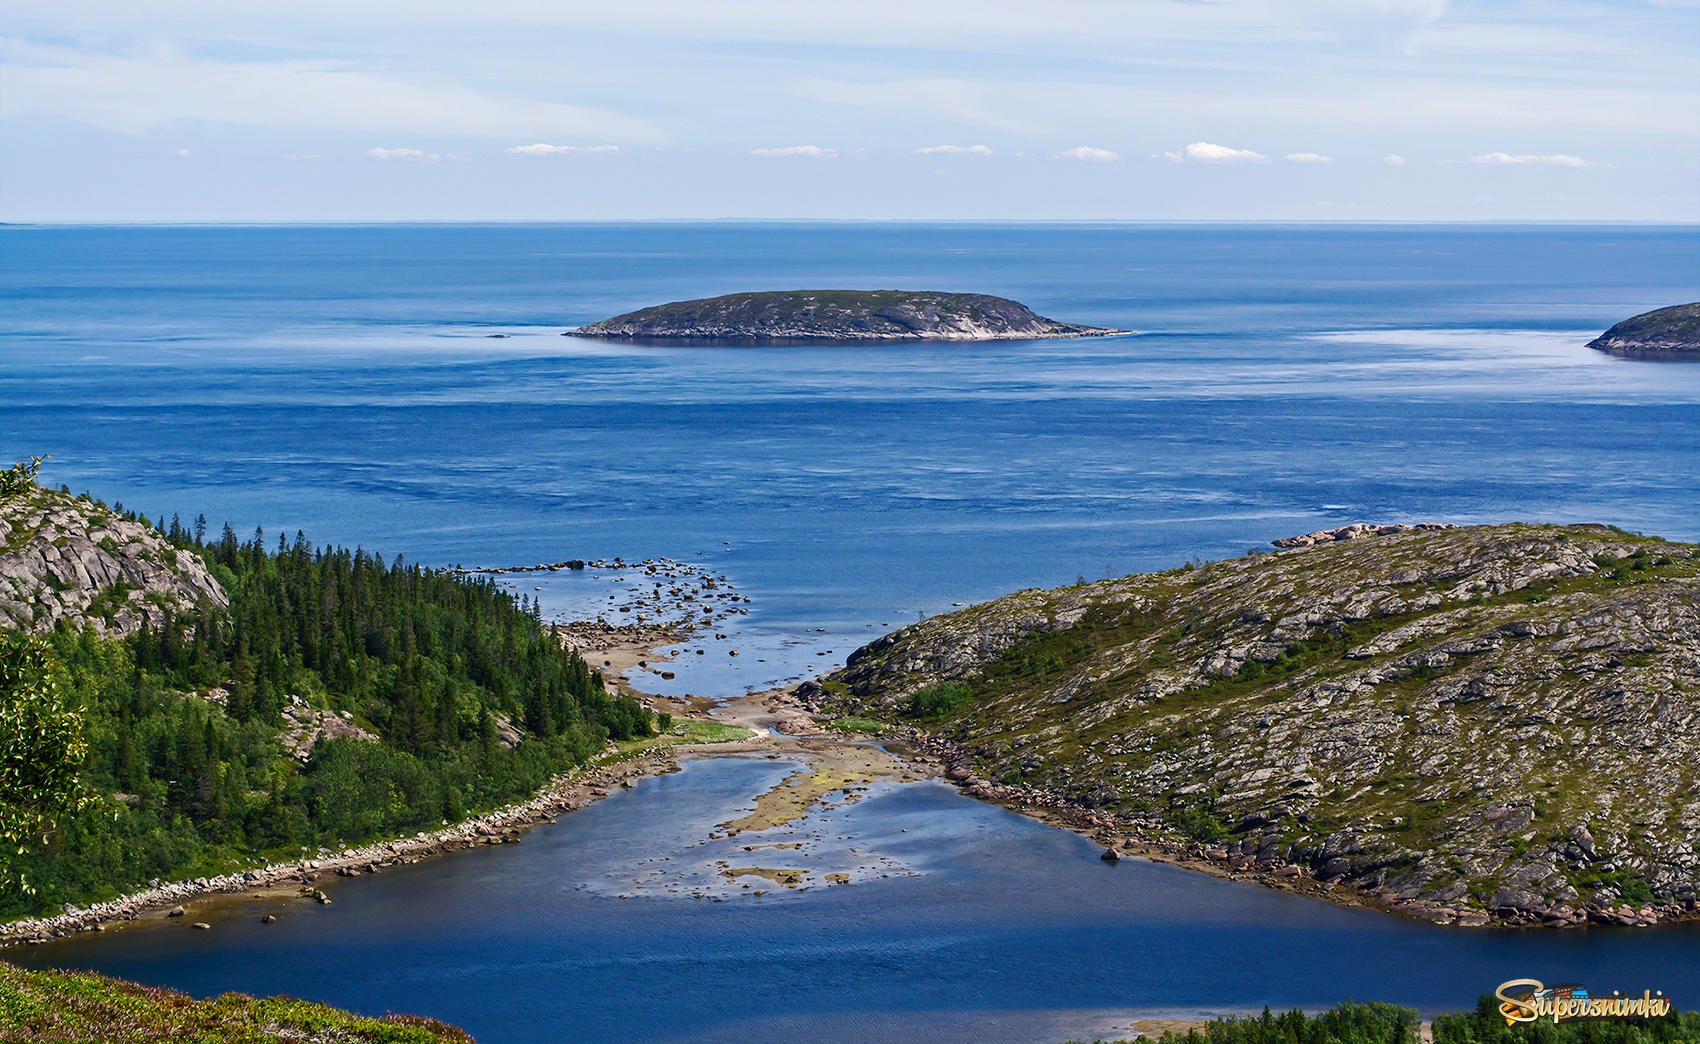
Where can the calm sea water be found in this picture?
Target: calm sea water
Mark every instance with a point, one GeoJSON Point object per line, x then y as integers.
{"type": "Point", "coordinates": [999, 929]}
{"type": "Point", "coordinates": [343, 380]}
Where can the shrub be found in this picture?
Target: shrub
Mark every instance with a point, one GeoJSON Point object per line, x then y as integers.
{"type": "Point", "coordinates": [936, 701]}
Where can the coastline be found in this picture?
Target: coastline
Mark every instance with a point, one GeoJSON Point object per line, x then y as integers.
{"type": "Point", "coordinates": [1647, 353]}
{"type": "Point", "coordinates": [782, 720]}
{"type": "Point", "coordinates": [1126, 836]}
{"type": "Point", "coordinates": [563, 794]}
{"type": "Point", "coordinates": [615, 646]}
{"type": "Point", "coordinates": [722, 339]}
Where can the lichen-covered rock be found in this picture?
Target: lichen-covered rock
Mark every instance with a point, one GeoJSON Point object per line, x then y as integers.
{"type": "Point", "coordinates": [65, 557]}
{"type": "Point", "coordinates": [1502, 718]}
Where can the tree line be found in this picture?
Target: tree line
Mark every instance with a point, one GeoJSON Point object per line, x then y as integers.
{"type": "Point", "coordinates": [184, 722]}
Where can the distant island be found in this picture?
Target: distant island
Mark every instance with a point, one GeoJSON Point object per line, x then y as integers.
{"type": "Point", "coordinates": [819, 316]}
{"type": "Point", "coordinates": [1664, 333]}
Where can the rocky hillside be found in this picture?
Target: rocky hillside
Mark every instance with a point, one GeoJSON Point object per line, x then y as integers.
{"type": "Point", "coordinates": [1480, 722]}
{"type": "Point", "coordinates": [837, 315]}
{"type": "Point", "coordinates": [68, 557]}
{"type": "Point", "coordinates": [1664, 333]}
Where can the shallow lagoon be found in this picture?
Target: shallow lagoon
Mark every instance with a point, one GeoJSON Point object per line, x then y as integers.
{"type": "Point", "coordinates": [990, 927]}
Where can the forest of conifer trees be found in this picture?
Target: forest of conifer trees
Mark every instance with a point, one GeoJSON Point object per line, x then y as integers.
{"type": "Point", "coordinates": [186, 722]}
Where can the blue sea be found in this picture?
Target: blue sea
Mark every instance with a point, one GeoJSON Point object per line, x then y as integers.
{"type": "Point", "coordinates": [348, 381]}
{"type": "Point", "coordinates": [345, 381]}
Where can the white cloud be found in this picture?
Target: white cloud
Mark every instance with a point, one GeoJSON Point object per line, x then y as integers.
{"type": "Point", "coordinates": [1307, 157]}
{"type": "Point", "coordinates": [541, 149]}
{"type": "Point", "coordinates": [183, 152]}
{"type": "Point", "coordinates": [954, 150]}
{"type": "Point", "coordinates": [1526, 159]}
{"type": "Point", "coordinates": [1090, 154]}
{"type": "Point", "coordinates": [814, 151]}
{"type": "Point", "coordinates": [147, 87]}
{"type": "Point", "coordinates": [400, 154]}
{"type": "Point", "coordinates": [952, 102]}
{"type": "Point", "coordinates": [1205, 152]}
{"type": "Point", "coordinates": [1394, 160]}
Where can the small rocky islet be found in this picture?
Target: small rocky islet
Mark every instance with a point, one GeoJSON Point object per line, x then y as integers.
{"type": "Point", "coordinates": [1664, 333]}
{"type": "Point", "coordinates": [836, 316]}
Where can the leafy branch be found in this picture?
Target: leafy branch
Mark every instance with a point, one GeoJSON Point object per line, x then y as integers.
{"type": "Point", "coordinates": [42, 750]}
{"type": "Point", "coordinates": [20, 476]}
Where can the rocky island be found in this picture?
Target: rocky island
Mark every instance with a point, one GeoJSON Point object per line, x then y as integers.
{"type": "Point", "coordinates": [1493, 723]}
{"type": "Point", "coordinates": [822, 316]}
{"type": "Point", "coordinates": [1664, 333]}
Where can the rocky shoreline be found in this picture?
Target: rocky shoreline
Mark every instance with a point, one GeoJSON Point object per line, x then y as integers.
{"type": "Point", "coordinates": [924, 751]}
{"type": "Point", "coordinates": [1665, 333]}
{"type": "Point", "coordinates": [566, 793]}
{"type": "Point", "coordinates": [1244, 861]}
{"type": "Point", "coordinates": [1487, 724]}
{"type": "Point", "coordinates": [666, 592]}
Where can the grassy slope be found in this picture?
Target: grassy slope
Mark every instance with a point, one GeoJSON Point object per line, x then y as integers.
{"type": "Point", "coordinates": [62, 1006]}
{"type": "Point", "coordinates": [1353, 721]}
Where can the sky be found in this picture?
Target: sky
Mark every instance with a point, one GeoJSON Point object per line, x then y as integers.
{"type": "Point", "coordinates": [440, 110]}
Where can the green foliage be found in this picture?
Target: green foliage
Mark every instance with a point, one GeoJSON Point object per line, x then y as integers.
{"type": "Point", "coordinates": [1349, 1023]}
{"type": "Point", "coordinates": [1631, 888]}
{"type": "Point", "coordinates": [936, 701]}
{"type": "Point", "coordinates": [697, 730]}
{"type": "Point", "coordinates": [42, 750]}
{"type": "Point", "coordinates": [1632, 568]}
{"type": "Point", "coordinates": [62, 1006]}
{"type": "Point", "coordinates": [1485, 1025]}
{"type": "Point", "coordinates": [1198, 820]}
{"type": "Point", "coordinates": [185, 722]}
{"type": "Point", "coordinates": [20, 476]}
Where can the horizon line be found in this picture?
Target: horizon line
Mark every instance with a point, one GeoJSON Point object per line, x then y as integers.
{"type": "Point", "coordinates": [366, 222]}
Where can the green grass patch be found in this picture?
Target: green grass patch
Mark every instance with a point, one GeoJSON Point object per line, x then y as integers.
{"type": "Point", "coordinates": [698, 730]}
{"type": "Point", "coordinates": [852, 723]}
{"type": "Point", "coordinates": [938, 701]}
{"type": "Point", "coordinates": [60, 1006]}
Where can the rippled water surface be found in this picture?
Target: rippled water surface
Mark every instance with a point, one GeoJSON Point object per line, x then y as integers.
{"type": "Point", "coordinates": [342, 380]}
{"type": "Point", "coordinates": [999, 929]}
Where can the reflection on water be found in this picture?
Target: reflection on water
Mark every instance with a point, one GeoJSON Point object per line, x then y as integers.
{"type": "Point", "coordinates": [1004, 930]}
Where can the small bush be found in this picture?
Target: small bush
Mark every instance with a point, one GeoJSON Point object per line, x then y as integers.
{"type": "Point", "coordinates": [20, 476]}
{"type": "Point", "coordinates": [936, 701]}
